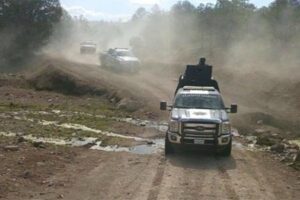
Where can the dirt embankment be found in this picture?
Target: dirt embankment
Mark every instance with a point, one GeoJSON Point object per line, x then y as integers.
{"type": "Point", "coordinates": [262, 97]}
{"type": "Point", "coordinates": [70, 78]}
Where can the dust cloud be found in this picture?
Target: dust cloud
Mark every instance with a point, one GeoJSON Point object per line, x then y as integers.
{"type": "Point", "coordinates": [255, 52]}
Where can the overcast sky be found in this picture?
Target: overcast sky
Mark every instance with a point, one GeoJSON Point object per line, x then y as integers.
{"type": "Point", "coordinates": [123, 9]}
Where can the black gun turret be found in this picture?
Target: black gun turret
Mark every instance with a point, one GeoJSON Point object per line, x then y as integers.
{"type": "Point", "coordinates": [198, 75]}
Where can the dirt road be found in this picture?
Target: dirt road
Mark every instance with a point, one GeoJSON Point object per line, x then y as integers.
{"type": "Point", "coordinates": [246, 175]}
{"type": "Point", "coordinates": [95, 175]}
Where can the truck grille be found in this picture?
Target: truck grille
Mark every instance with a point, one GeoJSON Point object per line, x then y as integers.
{"type": "Point", "coordinates": [199, 130]}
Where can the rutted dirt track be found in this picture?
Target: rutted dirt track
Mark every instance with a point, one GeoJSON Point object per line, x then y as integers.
{"type": "Point", "coordinates": [96, 175]}
{"type": "Point", "coordinates": [246, 175]}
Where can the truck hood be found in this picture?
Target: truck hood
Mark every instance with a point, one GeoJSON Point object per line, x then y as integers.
{"type": "Point", "coordinates": [199, 115]}
{"type": "Point", "coordinates": [88, 46]}
{"type": "Point", "coordinates": [128, 59]}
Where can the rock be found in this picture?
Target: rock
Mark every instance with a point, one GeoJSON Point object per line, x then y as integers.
{"type": "Point", "coordinates": [60, 196]}
{"type": "Point", "coordinates": [279, 148]}
{"type": "Point", "coordinates": [143, 124]}
{"type": "Point", "coordinates": [251, 139]}
{"type": "Point", "coordinates": [292, 151]}
{"type": "Point", "coordinates": [40, 164]}
{"type": "Point", "coordinates": [293, 146]}
{"type": "Point", "coordinates": [19, 134]}
{"type": "Point", "coordinates": [50, 184]}
{"type": "Point", "coordinates": [297, 157]}
{"type": "Point", "coordinates": [260, 122]}
{"type": "Point", "coordinates": [39, 145]}
{"type": "Point", "coordinates": [261, 131]}
{"type": "Point", "coordinates": [26, 174]}
{"type": "Point", "coordinates": [150, 142]}
{"type": "Point", "coordinates": [11, 148]}
{"type": "Point", "coordinates": [267, 140]}
{"type": "Point", "coordinates": [21, 139]}
{"type": "Point", "coordinates": [264, 140]}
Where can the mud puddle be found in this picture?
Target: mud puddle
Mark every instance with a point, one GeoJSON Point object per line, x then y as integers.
{"type": "Point", "coordinates": [151, 147]}
{"type": "Point", "coordinates": [155, 147]}
{"type": "Point", "coordinates": [75, 142]}
{"type": "Point", "coordinates": [160, 126]}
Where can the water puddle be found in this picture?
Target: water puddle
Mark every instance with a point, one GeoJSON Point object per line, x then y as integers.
{"type": "Point", "coordinates": [160, 126]}
{"type": "Point", "coordinates": [153, 146]}
{"type": "Point", "coordinates": [79, 127]}
{"type": "Point", "coordinates": [75, 142]}
{"type": "Point", "coordinates": [238, 145]}
{"type": "Point", "coordinates": [157, 146]}
{"type": "Point", "coordinates": [85, 128]}
{"type": "Point", "coordinates": [235, 132]}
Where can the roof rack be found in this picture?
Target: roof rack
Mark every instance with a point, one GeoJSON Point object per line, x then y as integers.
{"type": "Point", "coordinates": [199, 88]}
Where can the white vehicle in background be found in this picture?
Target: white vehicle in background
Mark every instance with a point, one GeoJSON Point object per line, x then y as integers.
{"type": "Point", "coordinates": [88, 47]}
{"type": "Point", "coordinates": [120, 60]}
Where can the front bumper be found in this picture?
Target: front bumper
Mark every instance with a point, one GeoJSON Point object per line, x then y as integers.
{"type": "Point", "coordinates": [222, 140]}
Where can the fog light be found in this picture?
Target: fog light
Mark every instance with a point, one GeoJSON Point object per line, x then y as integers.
{"type": "Point", "coordinates": [173, 137]}
{"type": "Point", "coordinates": [225, 140]}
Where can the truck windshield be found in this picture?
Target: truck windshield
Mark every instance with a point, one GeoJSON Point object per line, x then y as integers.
{"type": "Point", "coordinates": [124, 54]}
{"type": "Point", "coordinates": [199, 101]}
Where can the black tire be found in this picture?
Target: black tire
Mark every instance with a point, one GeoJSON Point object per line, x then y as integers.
{"type": "Point", "coordinates": [227, 151]}
{"type": "Point", "coordinates": [168, 146]}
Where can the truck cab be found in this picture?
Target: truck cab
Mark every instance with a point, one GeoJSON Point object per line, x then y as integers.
{"type": "Point", "coordinates": [199, 118]}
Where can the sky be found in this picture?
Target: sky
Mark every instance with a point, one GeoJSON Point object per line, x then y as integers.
{"type": "Point", "coordinates": [113, 10]}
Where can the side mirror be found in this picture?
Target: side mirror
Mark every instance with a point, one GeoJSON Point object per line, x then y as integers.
{"type": "Point", "coordinates": [163, 105]}
{"type": "Point", "coordinates": [234, 108]}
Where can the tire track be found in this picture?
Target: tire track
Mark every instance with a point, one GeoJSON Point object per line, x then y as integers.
{"type": "Point", "coordinates": [231, 193]}
{"type": "Point", "coordinates": [154, 191]}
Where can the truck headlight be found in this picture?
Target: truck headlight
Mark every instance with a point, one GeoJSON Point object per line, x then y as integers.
{"type": "Point", "coordinates": [225, 128]}
{"type": "Point", "coordinates": [174, 126]}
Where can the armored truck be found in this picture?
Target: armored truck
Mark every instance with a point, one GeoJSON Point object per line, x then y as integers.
{"type": "Point", "coordinates": [198, 117]}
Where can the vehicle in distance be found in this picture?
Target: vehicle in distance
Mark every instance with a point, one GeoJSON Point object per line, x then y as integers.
{"type": "Point", "coordinates": [120, 60]}
{"type": "Point", "coordinates": [88, 47]}
{"type": "Point", "coordinates": [198, 118]}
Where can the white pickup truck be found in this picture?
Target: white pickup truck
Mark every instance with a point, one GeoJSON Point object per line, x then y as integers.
{"type": "Point", "coordinates": [199, 118]}
{"type": "Point", "coordinates": [120, 60]}
{"type": "Point", "coordinates": [88, 47]}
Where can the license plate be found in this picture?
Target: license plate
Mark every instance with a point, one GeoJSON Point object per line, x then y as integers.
{"type": "Point", "coordinates": [197, 141]}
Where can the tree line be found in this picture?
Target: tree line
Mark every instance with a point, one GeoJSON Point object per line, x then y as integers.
{"type": "Point", "coordinates": [228, 29]}
{"type": "Point", "coordinates": [234, 29]}
{"type": "Point", "coordinates": [25, 26]}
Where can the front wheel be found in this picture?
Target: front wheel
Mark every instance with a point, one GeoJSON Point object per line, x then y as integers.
{"type": "Point", "coordinates": [226, 152]}
{"type": "Point", "coordinates": [168, 146]}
